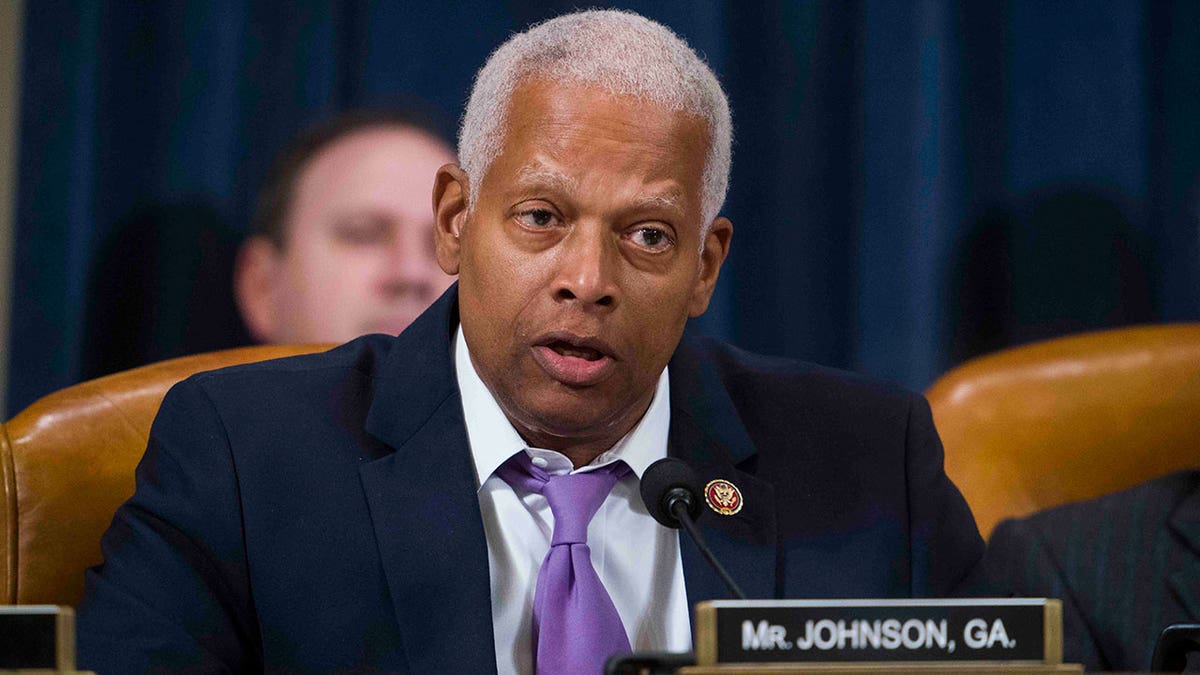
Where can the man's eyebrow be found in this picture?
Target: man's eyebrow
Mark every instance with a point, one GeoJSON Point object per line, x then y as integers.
{"type": "Point", "coordinates": [670, 200]}
{"type": "Point", "coordinates": [542, 175]}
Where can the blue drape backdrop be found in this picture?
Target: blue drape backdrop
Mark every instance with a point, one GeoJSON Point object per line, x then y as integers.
{"type": "Point", "coordinates": [914, 182]}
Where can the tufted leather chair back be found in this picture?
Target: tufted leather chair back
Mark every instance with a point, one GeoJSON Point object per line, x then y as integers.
{"type": "Point", "coordinates": [67, 462]}
{"type": "Point", "coordinates": [1071, 418]}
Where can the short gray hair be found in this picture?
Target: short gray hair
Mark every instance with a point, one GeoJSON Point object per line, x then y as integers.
{"type": "Point", "coordinates": [622, 52]}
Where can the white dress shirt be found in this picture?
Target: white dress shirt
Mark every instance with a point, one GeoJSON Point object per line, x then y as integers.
{"type": "Point", "coordinates": [636, 558]}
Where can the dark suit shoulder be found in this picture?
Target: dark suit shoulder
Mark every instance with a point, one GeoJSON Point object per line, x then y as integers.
{"type": "Point", "coordinates": [790, 406]}
{"type": "Point", "coordinates": [298, 403]}
{"type": "Point", "coordinates": [853, 461]}
{"type": "Point", "coordinates": [749, 376]}
{"type": "Point", "coordinates": [1062, 542]}
{"type": "Point", "coordinates": [1148, 504]}
{"type": "Point", "coordinates": [797, 412]}
{"type": "Point", "coordinates": [361, 355]}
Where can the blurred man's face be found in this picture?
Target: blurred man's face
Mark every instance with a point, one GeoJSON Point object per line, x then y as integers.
{"type": "Point", "coordinates": [358, 255]}
{"type": "Point", "coordinates": [582, 259]}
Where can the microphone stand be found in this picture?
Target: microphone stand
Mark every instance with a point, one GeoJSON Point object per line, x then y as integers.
{"type": "Point", "coordinates": [679, 510]}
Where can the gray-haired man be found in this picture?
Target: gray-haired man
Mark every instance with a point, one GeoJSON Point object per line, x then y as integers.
{"type": "Point", "coordinates": [464, 498]}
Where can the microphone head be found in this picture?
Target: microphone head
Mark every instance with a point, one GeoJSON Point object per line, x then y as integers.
{"type": "Point", "coordinates": [665, 482]}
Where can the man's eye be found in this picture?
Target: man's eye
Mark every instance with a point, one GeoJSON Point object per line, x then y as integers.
{"type": "Point", "coordinates": [651, 238]}
{"type": "Point", "coordinates": [359, 233]}
{"type": "Point", "coordinates": [537, 218]}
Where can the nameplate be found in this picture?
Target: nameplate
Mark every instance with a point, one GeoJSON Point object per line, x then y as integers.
{"type": "Point", "coordinates": [1021, 630]}
{"type": "Point", "coordinates": [37, 637]}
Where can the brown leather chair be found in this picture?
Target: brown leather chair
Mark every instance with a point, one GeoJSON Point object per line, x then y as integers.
{"type": "Point", "coordinates": [1071, 418]}
{"type": "Point", "coordinates": [67, 463]}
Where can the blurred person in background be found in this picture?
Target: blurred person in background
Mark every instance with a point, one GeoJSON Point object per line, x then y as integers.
{"type": "Point", "coordinates": [341, 243]}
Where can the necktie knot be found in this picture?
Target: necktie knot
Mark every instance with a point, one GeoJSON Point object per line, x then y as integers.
{"type": "Point", "coordinates": [573, 498]}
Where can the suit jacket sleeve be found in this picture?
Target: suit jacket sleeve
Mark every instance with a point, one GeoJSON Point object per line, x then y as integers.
{"type": "Point", "coordinates": [173, 593]}
{"type": "Point", "coordinates": [944, 540]}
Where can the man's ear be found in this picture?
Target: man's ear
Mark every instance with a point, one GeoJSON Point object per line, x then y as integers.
{"type": "Point", "coordinates": [712, 256]}
{"type": "Point", "coordinates": [254, 279]}
{"type": "Point", "coordinates": [451, 190]}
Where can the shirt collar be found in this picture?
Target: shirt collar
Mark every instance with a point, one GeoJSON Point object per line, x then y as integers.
{"type": "Point", "coordinates": [493, 439]}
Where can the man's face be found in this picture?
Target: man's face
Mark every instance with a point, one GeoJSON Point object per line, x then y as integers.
{"type": "Point", "coordinates": [358, 255]}
{"type": "Point", "coordinates": [582, 259]}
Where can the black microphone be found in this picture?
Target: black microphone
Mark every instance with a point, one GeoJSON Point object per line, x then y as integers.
{"type": "Point", "coordinates": [671, 493]}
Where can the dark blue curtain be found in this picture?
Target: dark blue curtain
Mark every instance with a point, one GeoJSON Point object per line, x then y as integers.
{"type": "Point", "coordinates": [914, 183]}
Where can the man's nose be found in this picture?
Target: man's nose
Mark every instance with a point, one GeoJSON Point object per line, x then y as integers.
{"type": "Point", "coordinates": [408, 264]}
{"type": "Point", "coordinates": [587, 269]}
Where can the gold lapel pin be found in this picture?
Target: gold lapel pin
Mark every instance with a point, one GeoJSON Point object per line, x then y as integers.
{"type": "Point", "coordinates": [723, 497]}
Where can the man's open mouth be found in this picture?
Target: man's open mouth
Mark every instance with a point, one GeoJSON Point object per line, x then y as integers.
{"type": "Point", "coordinates": [580, 352]}
{"type": "Point", "coordinates": [574, 360]}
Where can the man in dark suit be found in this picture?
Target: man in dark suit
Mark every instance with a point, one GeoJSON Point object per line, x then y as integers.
{"type": "Point", "coordinates": [1125, 565]}
{"type": "Point", "coordinates": [398, 503]}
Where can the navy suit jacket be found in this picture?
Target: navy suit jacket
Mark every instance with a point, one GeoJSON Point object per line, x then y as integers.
{"type": "Point", "coordinates": [320, 513]}
{"type": "Point", "coordinates": [1126, 566]}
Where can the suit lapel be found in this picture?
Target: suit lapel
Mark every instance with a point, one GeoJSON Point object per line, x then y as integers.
{"type": "Point", "coordinates": [1185, 523]}
{"type": "Point", "coordinates": [707, 433]}
{"type": "Point", "coordinates": [423, 503]}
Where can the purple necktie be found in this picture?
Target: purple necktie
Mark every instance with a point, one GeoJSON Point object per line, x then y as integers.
{"type": "Point", "coordinates": [575, 624]}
